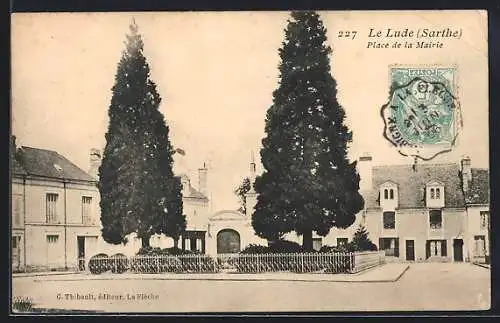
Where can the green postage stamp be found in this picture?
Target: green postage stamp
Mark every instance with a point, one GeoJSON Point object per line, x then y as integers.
{"type": "Point", "coordinates": [422, 118]}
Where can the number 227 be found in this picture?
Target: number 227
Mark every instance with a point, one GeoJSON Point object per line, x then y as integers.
{"type": "Point", "coordinates": [347, 34]}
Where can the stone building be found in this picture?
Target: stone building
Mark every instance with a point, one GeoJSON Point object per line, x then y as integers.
{"type": "Point", "coordinates": [55, 211]}
{"type": "Point", "coordinates": [423, 212]}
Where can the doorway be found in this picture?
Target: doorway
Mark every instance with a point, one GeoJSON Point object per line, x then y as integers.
{"type": "Point", "coordinates": [53, 251]}
{"type": "Point", "coordinates": [410, 250]}
{"type": "Point", "coordinates": [458, 253]}
{"type": "Point", "coordinates": [228, 241]}
{"type": "Point", "coordinates": [80, 241]}
{"type": "Point", "coordinates": [16, 258]}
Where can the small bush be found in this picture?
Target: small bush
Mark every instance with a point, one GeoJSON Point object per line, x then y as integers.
{"type": "Point", "coordinates": [285, 246]}
{"type": "Point", "coordinates": [330, 249]}
{"type": "Point", "coordinates": [99, 264]}
{"type": "Point", "coordinates": [173, 251]}
{"type": "Point", "coordinates": [119, 263]}
{"type": "Point", "coordinates": [279, 246]}
{"type": "Point", "coordinates": [148, 251]}
{"type": "Point", "coordinates": [255, 249]}
{"type": "Point", "coordinates": [22, 304]}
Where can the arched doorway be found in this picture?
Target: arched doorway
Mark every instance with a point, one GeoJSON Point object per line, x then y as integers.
{"type": "Point", "coordinates": [228, 241]}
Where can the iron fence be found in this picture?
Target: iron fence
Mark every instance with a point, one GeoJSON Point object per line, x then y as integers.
{"type": "Point", "coordinates": [334, 262]}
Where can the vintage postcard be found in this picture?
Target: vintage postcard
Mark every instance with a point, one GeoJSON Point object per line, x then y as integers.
{"type": "Point", "coordinates": [201, 162]}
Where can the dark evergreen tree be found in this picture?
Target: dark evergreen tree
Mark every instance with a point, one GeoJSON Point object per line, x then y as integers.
{"type": "Point", "coordinates": [308, 183]}
{"type": "Point", "coordinates": [361, 241]}
{"type": "Point", "coordinates": [175, 221]}
{"type": "Point", "coordinates": [241, 192]}
{"type": "Point", "coordinates": [138, 190]}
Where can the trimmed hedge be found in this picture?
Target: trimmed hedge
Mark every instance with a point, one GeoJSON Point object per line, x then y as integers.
{"type": "Point", "coordinates": [285, 246]}
{"type": "Point", "coordinates": [99, 264]}
{"type": "Point", "coordinates": [173, 251]}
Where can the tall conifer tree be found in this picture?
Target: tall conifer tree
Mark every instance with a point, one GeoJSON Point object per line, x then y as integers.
{"type": "Point", "coordinates": [138, 190]}
{"type": "Point", "coordinates": [308, 185]}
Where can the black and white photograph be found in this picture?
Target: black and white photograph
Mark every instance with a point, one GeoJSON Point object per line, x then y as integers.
{"type": "Point", "coordinates": [249, 161]}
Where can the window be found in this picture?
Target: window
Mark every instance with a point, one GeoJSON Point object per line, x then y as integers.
{"type": "Point", "coordinates": [15, 241]}
{"type": "Point", "coordinates": [52, 238]}
{"type": "Point", "coordinates": [389, 219]}
{"type": "Point", "coordinates": [51, 210]}
{"type": "Point", "coordinates": [483, 219]}
{"type": "Point", "coordinates": [390, 246]}
{"type": "Point", "coordinates": [386, 194]}
{"type": "Point", "coordinates": [479, 246]}
{"type": "Point", "coordinates": [436, 248]}
{"type": "Point", "coordinates": [435, 193]}
{"type": "Point", "coordinates": [86, 209]}
{"type": "Point", "coordinates": [435, 219]}
{"type": "Point", "coordinates": [16, 209]}
{"type": "Point", "coordinates": [341, 241]}
{"type": "Point", "coordinates": [391, 193]}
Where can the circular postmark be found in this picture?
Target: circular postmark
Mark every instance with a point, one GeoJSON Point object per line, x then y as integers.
{"type": "Point", "coordinates": [421, 118]}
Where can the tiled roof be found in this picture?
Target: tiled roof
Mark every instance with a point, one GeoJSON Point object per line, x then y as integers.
{"type": "Point", "coordinates": [48, 163]}
{"type": "Point", "coordinates": [479, 189]}
{"type": "Point", "coordinates": [193, 193]}
{"type": "Point", "coordinates": [16, 168]}
{"type": "Point", "coordinates": [411, 184]}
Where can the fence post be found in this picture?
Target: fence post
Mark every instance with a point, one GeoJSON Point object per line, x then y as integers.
{"type": "Point", "coordinates": [353, 262]}
{"type": "Point", "coordinates": [302, 258]}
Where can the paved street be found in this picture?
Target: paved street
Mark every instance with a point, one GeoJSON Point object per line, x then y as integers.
{"type": "Point", "coordinates": [430, 286]}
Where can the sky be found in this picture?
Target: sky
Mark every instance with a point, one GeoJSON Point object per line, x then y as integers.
{"type": "Point", "coordinates": [216, 72]}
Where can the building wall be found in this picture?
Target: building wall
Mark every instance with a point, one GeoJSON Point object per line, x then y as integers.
{"type": "Point", "coordinates": [197, 213]}
{"type": "Point", "coordinates": [63, 251]}
{"type": "Point", "coordinates": [36, 191]}
{"type": "Point", "coordinates": [474, 227]}
{"type": "Point", "coordinates": [411, 224]}
{"type": "Point", "coordinates": [17, 222]}
{"type": "Point", "coordinates": [239, 223]}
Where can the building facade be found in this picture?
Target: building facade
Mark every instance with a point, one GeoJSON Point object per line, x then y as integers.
{"type": "Point", "coordinates": [55, 211]}
{"type": "Point", "coordinates": [421, 212]}
{"type": "Point", "coordinates": [424, 212]}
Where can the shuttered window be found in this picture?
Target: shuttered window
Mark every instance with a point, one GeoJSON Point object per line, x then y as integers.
{"type": "Point", "coordinates": [389, 219]}
{"type": "Point", "coordinates": [483, 217]}
{"type": "Point", "coordinates": [17, 209]}
{"type": "Point", "coordinates": [86, 209]}
{"type": "Point", "coordinates": [436, 219]}
{"type": "Point", "coordinates": [51, 207]}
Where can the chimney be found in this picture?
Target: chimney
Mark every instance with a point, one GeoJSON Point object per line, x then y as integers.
{"type": "Point", "coordinates": [365, 172]}
{"type": "Point", "coordinates": [466, 173]}
{"type": "Point", "coordinates": [252, 172]}
{"type": "Point", "coordinates": [202, 180]}
{"type": "Point", "coordinates": [251, 196]}
{"type": "Point", "coordinates": [185, 185]}
{"type": "Point", "coordinates": [95, 163]}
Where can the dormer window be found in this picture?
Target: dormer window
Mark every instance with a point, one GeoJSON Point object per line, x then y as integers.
{"type": "Point", "coordinates": [389, 195]}
{"type": "Point", "coordinates": [435, 195]}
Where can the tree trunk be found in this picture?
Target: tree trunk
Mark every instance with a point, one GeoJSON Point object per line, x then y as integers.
{"type": "Point", "coordinates": [307, 240]}
{"type": "Point", "coordinates": [145, 241]}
